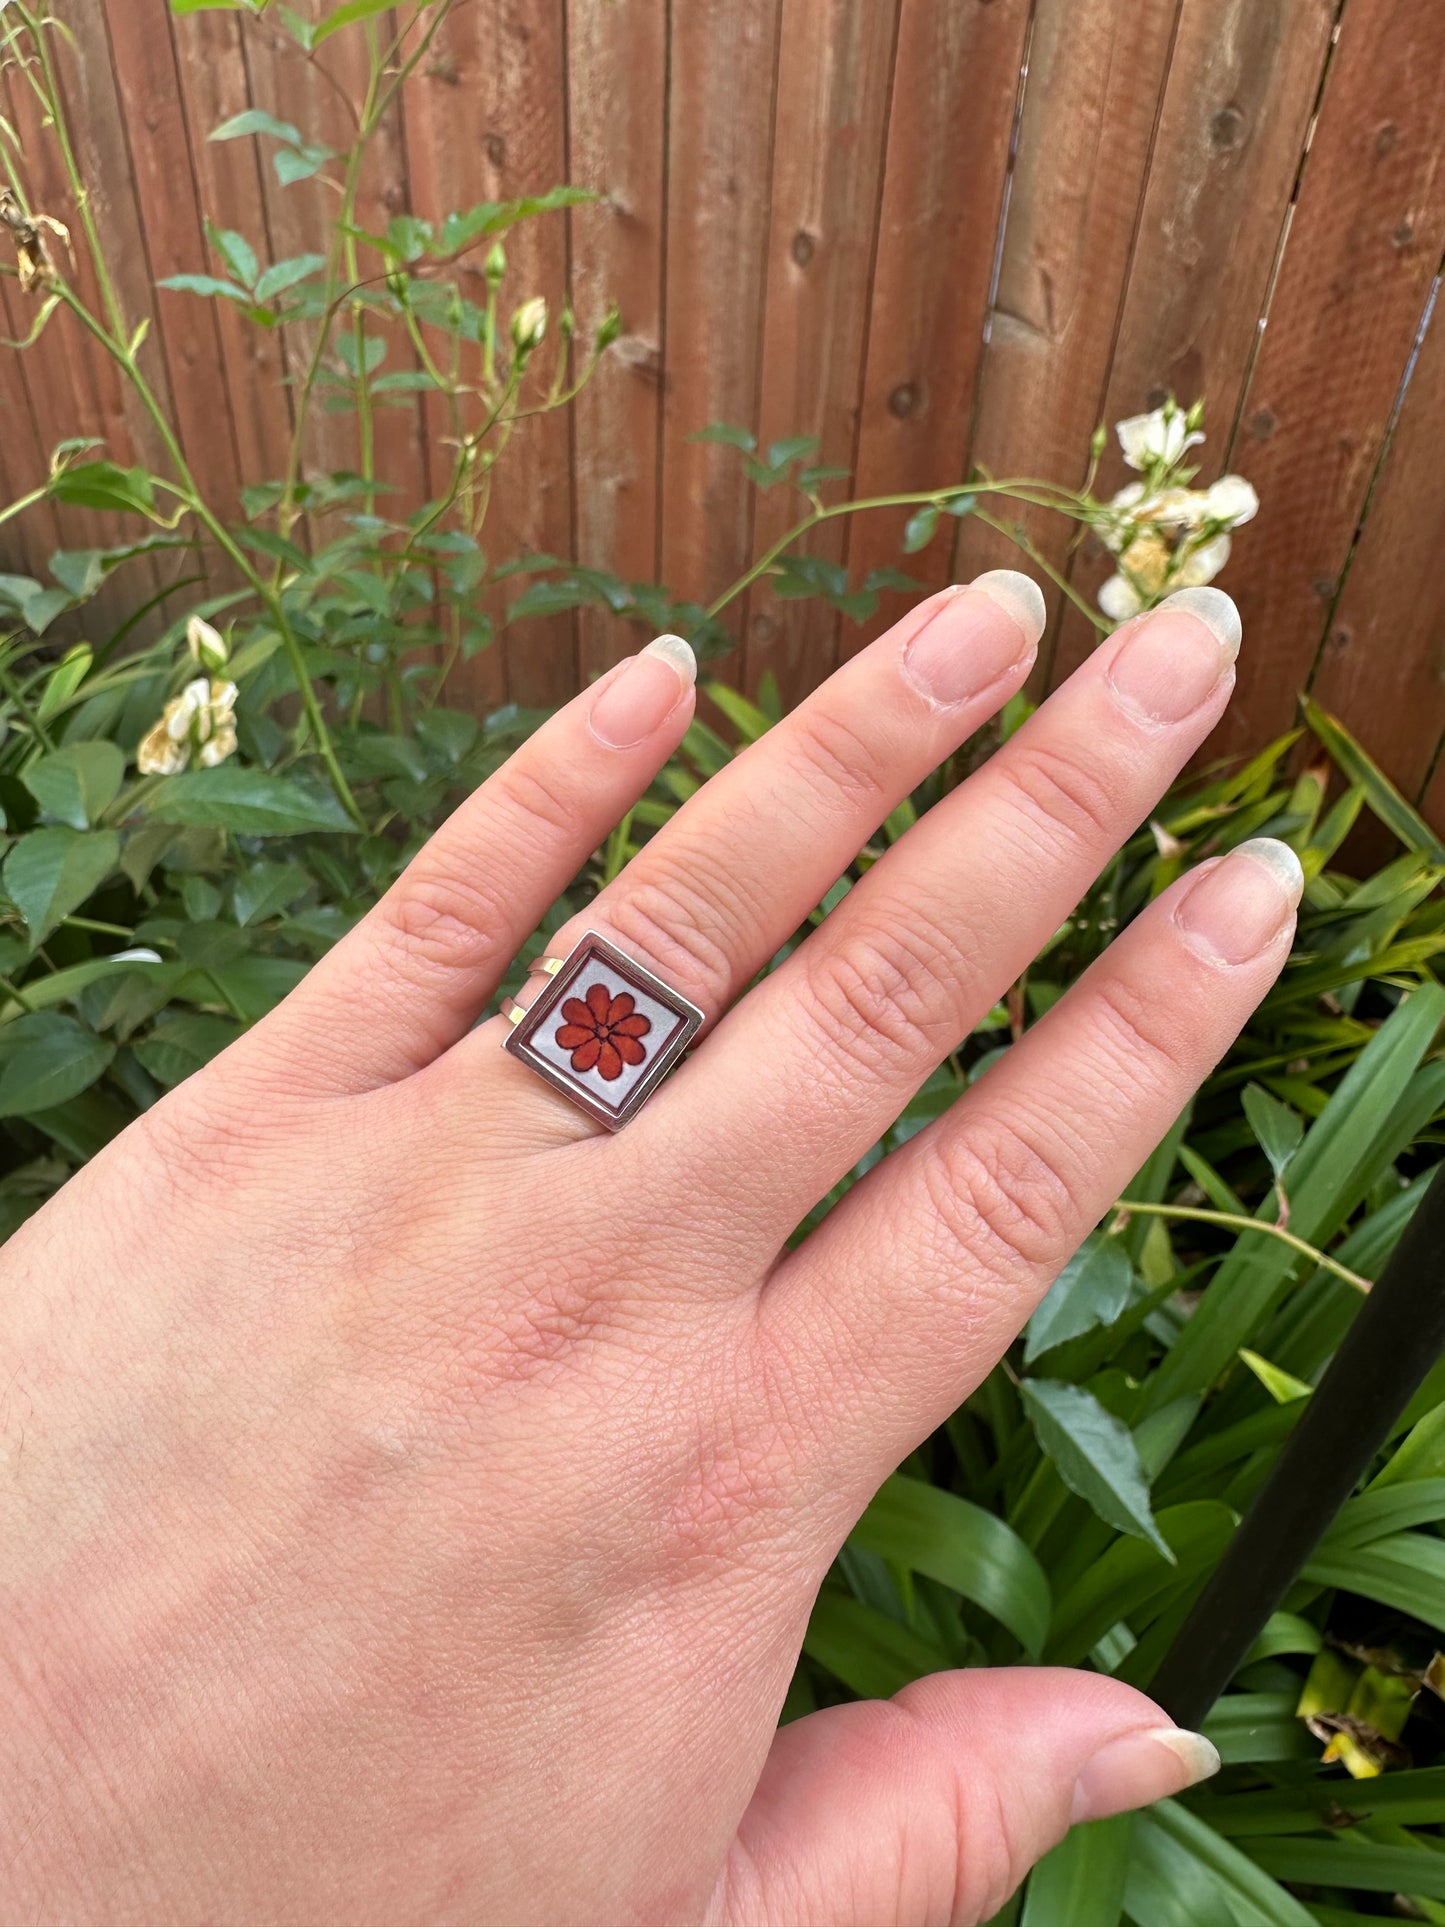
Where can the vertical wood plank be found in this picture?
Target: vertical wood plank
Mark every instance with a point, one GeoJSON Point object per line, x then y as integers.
{"type": "Point", "coordinates": [720, 126]}
{"type": "Point", "coordinates": [487, 124]}
{"type": "Point", "coordinates": [617, 119]}
{"type": "Point", "coordinates": [1383, 666]}
{"type": "Point", "coordinates": [1096, 70]}
{"type": "Point", "coordinates": [214, 87]}
{"type": "Point", "coordinates": [955, 93]}
{"type": "Point", "coordinates": [1236, 111]}
{"type": "Point", "coordinates": [28, 540]}
{"type": "Point", "coordinates": [834, 81]}
{"type": "Point", "coordinates": [72, 381]}
{"type": "Point", "coordinates": [156, 150]}
{"type": "Point", "coordinates": [1362, 252]}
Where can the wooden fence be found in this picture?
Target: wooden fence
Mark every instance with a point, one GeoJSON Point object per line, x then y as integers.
{"type": "Point", "coordinates": [931, 232]}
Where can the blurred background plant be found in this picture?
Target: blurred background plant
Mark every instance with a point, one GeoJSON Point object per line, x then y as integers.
{"type": "Point", "coordinates": [191, 819]}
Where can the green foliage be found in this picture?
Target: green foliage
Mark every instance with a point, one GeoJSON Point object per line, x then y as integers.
{"type": "Point", "coordinates": [1073, 1505]}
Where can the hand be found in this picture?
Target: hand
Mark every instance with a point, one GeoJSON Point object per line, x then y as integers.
{"type": "Point", "coordinates": [413, 1497]}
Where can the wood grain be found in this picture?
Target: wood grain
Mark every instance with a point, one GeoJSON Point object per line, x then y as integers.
{"type": "Point", "coordinates": [720, 137]}
{"type": "Point", "coordinates": [1383, 664]}
{"type": "Point", "coordinates": [834, 81]}
{"type": "Point", "coordinates": [617, 124]}
{"type": "Point", "coordinates": [1241, 89]}
{"type": "Point", "coordinates": [1362, 252]}
{"type": "Point", "coordinates": [486, 124]}
{"type": "Point", "coordinates": [955, 92]}
{"type": "Point", "coordinates": [1096, 72]}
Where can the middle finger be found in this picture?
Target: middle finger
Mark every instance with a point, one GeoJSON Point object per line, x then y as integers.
{"type": "Point", "coordinates": [817, 1062]}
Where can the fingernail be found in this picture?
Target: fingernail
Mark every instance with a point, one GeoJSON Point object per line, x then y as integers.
{"type": "Point", "coordinates": [967, 645]}
{"type": "Point", "coordinates": [1240, 906]}
{"type": "Point", "coordinates": [1174, 659]}
{"type": "Point", "coordinates": [643, 692]}
{"type": "Point", "coordinates": [1148, 1764]}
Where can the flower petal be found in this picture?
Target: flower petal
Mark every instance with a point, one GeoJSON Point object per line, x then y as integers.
{"type": "Point", "coordinates": [627, 1048]}
{"type": "Point", "coordinates": [622, 1005]}
{"type": "Point", "coordinates": [609, 1064]}
{"type": "Point", "coordinates": [576, 1012]}
{"type": "Point", "coordinates": [637, 1026]}
{"type": "Point", "coordinates": [598, 999]}
{"type": "Point", "coordinates": [1201, 565]}
{"type": "Point", "coordinates": [587, 1054]}
{"type": "Point", "coordinates": [1119, 599]}
{"type": "Point", "coordinates": [574, 1036]}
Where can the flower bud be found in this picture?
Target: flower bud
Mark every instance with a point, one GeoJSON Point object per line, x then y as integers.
{"type": "Point", "coordinates": [529, 325]}
{"type": "Point", "coordinates": [496, 266]}
{"type": "Point", "coordinates": [611, 328]}
{"type": "Point", "coordinates": [207, 645]}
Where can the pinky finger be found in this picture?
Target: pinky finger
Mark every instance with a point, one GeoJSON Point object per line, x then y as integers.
{"type": "Point", "coordinates": [908, 1293]}
{"type": "Point", "coordinates": [413, 975]}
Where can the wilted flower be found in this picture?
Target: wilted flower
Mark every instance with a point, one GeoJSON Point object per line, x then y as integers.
{"type": "Point", "coordinates": [28, 231]}
{"type": "Point", "coordinates": [201, 721]}
{"type": "Point", "coordinates": [529, 324]}
{"type": "Point", "coordinates": [1158, 439]}
{"type": "Point", "coordinates": [207, 645]}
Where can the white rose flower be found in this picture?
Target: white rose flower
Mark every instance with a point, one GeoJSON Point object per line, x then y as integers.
{"type": "Point", "coordinates": [1119, 599]}
{"type": "Point", "coordinates": [529, 324]}
{"type": "Point", "coordinates": [207, 645]}
{"type": "Point", "coordinates": [1231, 499]}
{"type": "Point", "coordinates": [202, 718]}
{"type": "Point", "coordinates": [1200, 566]}
{"type": "Point", "coordinates": [1160, 437]}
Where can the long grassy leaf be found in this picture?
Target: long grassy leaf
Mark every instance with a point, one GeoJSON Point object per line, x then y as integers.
{"type": "Point", "coordinates": [1183, 1874]}
{"type": "Point", "coordinates": [1407, 1572]}
{"type": "Point", "coordinates": [1131, 1578]}
{"type": "Point", "coordinates": [1083, 1878]}
{"type": "Point", "coordinates": [980, 1556]}
{"type": "Point", "coordinates": [1353, 1863]}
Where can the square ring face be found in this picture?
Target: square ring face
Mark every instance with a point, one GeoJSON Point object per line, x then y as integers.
{"type": "Point", "coordinates": [604, 1031]}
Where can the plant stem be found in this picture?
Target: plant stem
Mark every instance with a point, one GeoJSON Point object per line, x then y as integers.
{"type": "Point", "coordinates": [1233, 1222]}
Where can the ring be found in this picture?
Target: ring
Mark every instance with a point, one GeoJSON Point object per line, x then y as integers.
{"type": "Point", "coordinates": [604, 1031]}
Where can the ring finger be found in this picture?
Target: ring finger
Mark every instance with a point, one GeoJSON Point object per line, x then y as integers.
{"type": "Point", "coordinates": [709, 899]}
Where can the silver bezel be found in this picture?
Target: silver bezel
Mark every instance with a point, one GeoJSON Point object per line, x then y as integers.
{"type": "Point", "coordinates": [589, 946]}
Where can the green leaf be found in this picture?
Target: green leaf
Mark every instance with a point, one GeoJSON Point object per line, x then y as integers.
{"type": "Point", "coordinates": [1278, 1130]}
{"type": "Point", "coordinates": [1335, 1862]}
{"type": "Point", "coordinates": [1181, 1874]}
{"type": "Point", "coordinates": [873, 1655]}
{"type": "Point", "coordinates": [250, 802]}
{"type": "Point", "coordinates": [1407, 1572]}
{"type": "Point", "coordinates": [237, 253]}
{"type": "Point", "coordinates": [298, 164]}
{"type": "Point", "coordinates": [792, 448]}
{"type": "Point", "coordinates": [51, 872]}
{"type": "Point", "coordinates": [1380, 793]}
{"type": "Point", "coordinates": [1383, 1511]}
{"type": "Point", "coordinates": [1281, 1385]}
{"type": "Point", "coordinates": [1093, 1288]}
{"type": "Point", "coordinates": [255, 121]}
{"type": "Point", "coordinates": [65, 679]}
{"type": "Point", "coordinates": [920, 527]}
{"type": "Point", "coordinates": [344, 16]}
{"type": "Point", "coordinates": [727, 433]}
{"type": "Point", "coordinates": [263, 889]}
{"type": "Point", "coordinates": [1083, 1878]}
{"type": "Point", "coordinates": [1407, 1799]}
{"type": "Point", "coordinates": [181, 1043]}
{"type": "Point", "coordinates": [746, 718]}
{"type": "Point", "coordinates": [41, 993]}
{"type": "Point", "coordinates": [47, 1059]}
{"type": "Point", "coordinates": [285, 274]}
{"type": "Point", "coordinates": [204, 284]}
{"type": "Point", "coordinates": [104, 485]}
{"type": "Point", "coordinates": [77, 782]}
{"type": "Point", "coordinates": [1095, 1455]}
{"type": "Point", "coordinates": [1254, 1729]}
{"type": "Point", "coordinates": [1130, 1580]}
{"type": "Point", "coordinates": [962, 1546]}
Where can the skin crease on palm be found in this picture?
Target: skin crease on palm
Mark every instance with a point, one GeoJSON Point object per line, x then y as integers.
{"type": "Point", "coordinates": [413, 1497]}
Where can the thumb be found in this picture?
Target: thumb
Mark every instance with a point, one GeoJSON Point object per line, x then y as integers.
{"type": "Point", "coordinates": [932, 1806]}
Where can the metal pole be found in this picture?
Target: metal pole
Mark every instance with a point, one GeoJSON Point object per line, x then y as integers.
{"type": "Point", "coordinates": [1397, 1335]}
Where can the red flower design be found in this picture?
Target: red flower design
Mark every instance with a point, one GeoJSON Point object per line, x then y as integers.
{"type": "Point", "coordinates": [602, 1033]}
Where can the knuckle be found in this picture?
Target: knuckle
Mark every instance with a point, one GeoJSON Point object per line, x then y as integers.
{"type": "Point", "coordinates": [537, 796]}
{"type": "Point", "coordinates": [840, 762]}
{"type": "Point", "coordinates": [687, 926]}
{"type": "Point", "coordinates": [440, 922]}
{"type": "Point", "coordinates": [1063, 791]}
{"type": "Point", "coordinates": [1000, 1199]}
{"type": "Point", "coordinates": [874, 997]}
{"type": "Point", "coordinates": [1139, 1027]}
